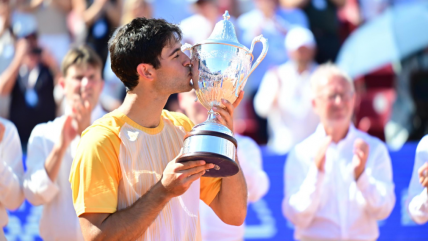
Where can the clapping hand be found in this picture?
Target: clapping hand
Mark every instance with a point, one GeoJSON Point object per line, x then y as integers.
{"type": "Point", "coordinates": [361, 153]}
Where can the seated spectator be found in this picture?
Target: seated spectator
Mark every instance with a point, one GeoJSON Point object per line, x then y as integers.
{"type": "Point", "coordinates": [52, 146]}
{"type": "Point", "coordinates": [285, 95]}
{"type": "Point", "coordinates": [250, 160]}
{"type": "Point", "coordinates": [324, 23]}
{"type": "Point", "coordinates": [11, 171]}
{"type": "Point", "coordinates": [338, 181]}
{"type": "Point", "coordinates": [29, 82]}
{"type": "Point", "coordinates": [417, 203]}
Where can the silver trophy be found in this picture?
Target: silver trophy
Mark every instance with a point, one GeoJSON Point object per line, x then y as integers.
{"type": "Point", "coordinates": [220, 69]}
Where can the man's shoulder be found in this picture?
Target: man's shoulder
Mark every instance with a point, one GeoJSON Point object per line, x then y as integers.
{"type": "Point", "coordinates": [10, 128]}
{"type": "Point", "coordinates": [107, 127]}
{"type": "Point", "coordinates": [7, 123]}
{"type": "Point", "coordinates": [48, 128]}
{"type": "Point", "coordinates": [178, 119]}
{"type": "Point", "coordinates": [423, 144]}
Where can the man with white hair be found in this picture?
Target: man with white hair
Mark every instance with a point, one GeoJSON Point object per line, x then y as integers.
{"type": "Point", "coordinates": [338, 181]}
{"type": "Point", "coordinates": [284, 96]}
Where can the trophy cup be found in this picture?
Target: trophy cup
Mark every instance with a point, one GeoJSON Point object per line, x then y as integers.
{"type": "Point", "coordinates": [220, 69]}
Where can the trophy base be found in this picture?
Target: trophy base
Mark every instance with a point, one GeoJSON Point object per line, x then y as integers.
{"type": "Point", "coordinates": [224, 166]}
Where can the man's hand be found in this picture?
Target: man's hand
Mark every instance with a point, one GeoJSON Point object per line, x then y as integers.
{"type": "Point", "coordinates": [178, 176]}
{"type": "Point", "coordinates": [320, 156]}
{"type": "Point", "coordinates": [82, 110]}
{"type": "Point", "coordinates": [22, 49]}
{"type": "Point", "coordinates": [361, 153]}
{"type": "Point", "coordinates": [2, 130]}
{"type": "Point", "coordinates": [68, 132]}
{"type": "Point", "coordinates": [226, 115]}
{"type": "Point", "coordinates": [423, 175]}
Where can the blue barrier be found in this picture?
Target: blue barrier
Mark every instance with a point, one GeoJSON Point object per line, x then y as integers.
{"type": "Point", "coordinates": [265, 220]}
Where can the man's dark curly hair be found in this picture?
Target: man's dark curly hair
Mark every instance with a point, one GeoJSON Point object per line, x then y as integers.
{"type": "Point", "coordinates": [140, 41]}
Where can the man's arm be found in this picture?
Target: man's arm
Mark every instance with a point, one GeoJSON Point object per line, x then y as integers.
{"type": "Point", "coordinates": [9, 76]}
{"type": "Point", "coordinates": [267, 95]}
{"type": "Point", "coordinates": [294, 3]}
{"type": "Point", "coordinates": [132, 222]}
{"type": "Point", "coordinates": [126, 224]}
{"type": "Point", "coordinates": [417, 201]}
{"type": "Point", "coordinates": [251, 163]}
{"type": "Point", "coordinates": [11, 170]}
{"type": "Point", "coordinates": [375, 183]}
{"type": "Point", "coordinates": [230, 204]}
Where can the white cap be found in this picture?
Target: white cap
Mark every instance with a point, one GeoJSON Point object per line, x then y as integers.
{"type": "Point", "coordinates": [298, 37]}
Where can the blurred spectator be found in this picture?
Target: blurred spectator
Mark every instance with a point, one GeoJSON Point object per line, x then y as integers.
{"type": "Point", "coordinates": [11, 171]}
{"type": "Point", "coordinates": [409, 117]}
{"type": "Point", "coordinates": [173, 11]}
{"type": "Point", "coordinates": [273, 22]}
{"type": "Point", "coordinates": [199, 26]}
{"type": "Point", "coordinates": [136, 9]}
{"type": "Point", "coordinates": [114, 91]}
{"type": "Point", "coordinates": [250, 160]}
{"type": "Point", "coordinates": [101, 17]}
{"type": "Point", "coordinates": [51, 17]}
{"type": "Point", "coordinates": [338, 181]}
{"type": "Point", "coordinates": [324, 23]}
{"type": "Point", "coordinates": [370, 9]}
{"type": "Point", "coordinates": [7, 50]}
{"type": "Point", "coordinates": [284, 96]}
{"type": "Point", "coordinates": [417, 202]}
{"type": "Point", "coordinates": [29, 82]}
{"type": "Point", "coordinates": [52, 146]}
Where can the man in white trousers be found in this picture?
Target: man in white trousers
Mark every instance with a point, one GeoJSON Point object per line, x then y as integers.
{"type": "Point", "coordinates": [417, 202]}
{"type": "Point", "coordinates": [338, 181]}
{"type": "Point", "coordinates": [52, 146]}
{"type": "Point", "coordinates": [250, 159]}
{"type": "Point", "coordinates": [11, 171]}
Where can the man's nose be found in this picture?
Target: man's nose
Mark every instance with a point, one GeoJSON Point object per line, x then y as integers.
{"type": "Point", "coordinates": [85, 83]}
{"type": "Point", "coordinates": [338, 99]}
{"type": "Point", "coordinates": [187, 61]}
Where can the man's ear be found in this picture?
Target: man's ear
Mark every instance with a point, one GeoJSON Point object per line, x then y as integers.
{"type": "Point", "coordinates": [146, 71]}
{"type": "Point", "coordinates": [61, 82]}
{"type": "Point", "coordinates": [314, 105]}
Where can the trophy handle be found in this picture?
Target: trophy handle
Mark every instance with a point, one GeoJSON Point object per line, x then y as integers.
{"type": "Point", "coordinates": [265, 43]}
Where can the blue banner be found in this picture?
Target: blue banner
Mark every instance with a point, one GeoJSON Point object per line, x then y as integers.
{"type": "Point", "coordinates": [265, 220]}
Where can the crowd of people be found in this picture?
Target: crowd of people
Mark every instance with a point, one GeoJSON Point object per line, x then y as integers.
{"type": "Point", "coordinates": [88, 98]}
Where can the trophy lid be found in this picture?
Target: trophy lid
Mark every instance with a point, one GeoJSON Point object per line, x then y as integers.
{"type": "Point", "coordinates": [224, 33]}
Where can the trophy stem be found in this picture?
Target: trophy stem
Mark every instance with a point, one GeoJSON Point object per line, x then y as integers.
{"type": "Point", "coordinates": [212, 116]}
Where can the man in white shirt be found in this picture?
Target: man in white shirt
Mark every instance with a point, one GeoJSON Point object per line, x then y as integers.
{"type": "Point", "coordinates": [417, 203]}
{"type": "Point", "coordinates": [284, 96]}
{"type": "Point", "coordinates": [11, 171]}
{"type": "Point", "coordinates": [52, 146]}
{"type": "Point", "coordinates": [338, 181]}
{"type": "Point", "coordinates": [250, 159]}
